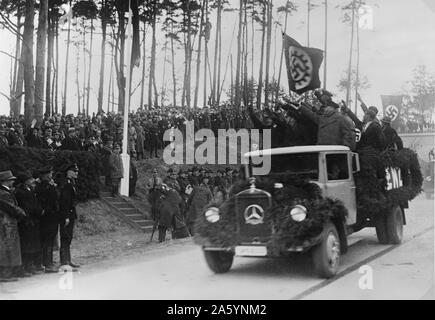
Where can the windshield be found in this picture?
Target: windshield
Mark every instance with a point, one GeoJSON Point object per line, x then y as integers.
{"type": "Point", "coordinates": [297, 163]}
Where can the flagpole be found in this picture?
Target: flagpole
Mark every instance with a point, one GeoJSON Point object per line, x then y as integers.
{"type": "Point", "coordinates": [125, 181]}
{"type": "Point", "coordinates": [326, 44]}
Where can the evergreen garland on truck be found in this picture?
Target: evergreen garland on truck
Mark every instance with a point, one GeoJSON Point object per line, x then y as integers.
{"type": "Point", "coordinates": [372, 197]}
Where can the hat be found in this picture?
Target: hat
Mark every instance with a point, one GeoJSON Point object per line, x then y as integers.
{"type": "Point", "coordinates": [386, 120]}
{"type": "Point", "coordinates": [46, 170]}
{"type": "Point", "coordinates": [72, 167]}
{"type": "Point", "coordinates": [374, 109]}
{"type": "Point", "coordinates": [7, 175]}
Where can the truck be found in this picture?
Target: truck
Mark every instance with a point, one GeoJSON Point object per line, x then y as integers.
{"type": "Point", "coordinates": [307, 203]}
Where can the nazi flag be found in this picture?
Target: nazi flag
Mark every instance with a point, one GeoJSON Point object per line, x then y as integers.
{"type": "Point", "coordinates": [303, 65]}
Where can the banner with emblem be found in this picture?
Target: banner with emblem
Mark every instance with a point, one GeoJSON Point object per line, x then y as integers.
{"type": "Point", "coordinates": [303, 65]}
{"type": "Point", "coordinates": [392, 108]}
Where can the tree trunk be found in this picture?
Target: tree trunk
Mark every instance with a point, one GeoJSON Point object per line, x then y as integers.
{"type": "Point", "coordinates": [164, 75]}
{"type": "Point", "coordinates": [325, 63]}
{"type": "Point", "coordinates": [29, 80]}
{"type": "Point", "coordinates": [153, 57]}
{"type": "Point", "coordinates": [49, 65]}
{"type": "Point", "coordinates": [77, 75]}
{"type": "Point", "coordinates": [120, 74]}
{"type": "Point", "coordinates": [349, 69]}
{"type": "Point", "coordinates": [239, 48]}
{"type": "Point", "coordinates": [65, 88]}
{"type": "Point", "coordinates": [205, 54]}
{"type": "Point", "coordinates": [216, 50]}
{"type": "Point", "coordinates": [56, 90]}
{"type": "Point", "coordinates": [308, 22]}
{"type": "Point", "coordinates": [189, 56]}
{"type": "Point", "coordinates": [41, 60]}
{"type": "Point", "coordinates": [269, 41]}
{"type": "Point", "coordinates": [260, 77]}
{"type": "Point", "coordinates": [174, 78]}
{"type": "Point", "coordinates": [142, 85]}
{"type": "Point", "coordinates": [84, 67]}
{"type": "Point", "coordinates": [103, 56]}
{"type": "Point", "coordinates": [110, 81]}
{"type": "Point", "coordinates": [198, 59]}
{"type": "Point", "coordinates": [17, 84]}
{"type": "Point", "coordinates": [219, 67]}
{"type": "Point", "coordinates": [88, 87]}
{"type": "Point", "coordinates": [357, 65]}
{"type": "Point", "coordinates": [245, 71]}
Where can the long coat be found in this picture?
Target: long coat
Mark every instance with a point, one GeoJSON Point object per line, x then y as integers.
{"type": "Point", "coordinates": [200, 197]}
{"type": "Point", "coordinates": [29, 227]}
{"type": "Point", "coordinates": [116, 167]}
{"type": "Point", "coordinates": [170, 208]}
{"type": "Point", "coordinates": [10, 214]}
{"type": "Point", "coordinates": [372, 135]}
{"type": "Point", "coordinates": [333, 128]}
{"type": "Point", "coordinates": [48, 196]}
{"type": "Point", "coordinates": [140, 140]}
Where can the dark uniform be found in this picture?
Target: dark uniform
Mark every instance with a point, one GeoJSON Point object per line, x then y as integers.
{"type": "Point", "coordinates": [29, 227]}
{"type": "Point", "coordinates": [48, 196]}
{"type": "Point", "coordinates": [67, 211]}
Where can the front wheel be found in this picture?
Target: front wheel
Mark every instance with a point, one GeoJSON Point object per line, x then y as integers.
{"type": "Point", "coordinates": [394, 224]}
{"type": "Point", "coordinates": [219, 261]}
{"type": "Point", "coordinates": [326, 255]}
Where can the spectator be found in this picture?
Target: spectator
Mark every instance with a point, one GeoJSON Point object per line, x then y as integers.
{"type": "Point", "coordinates": [10, 214]}
{"type": "Point", "coordinates": [116, 169]}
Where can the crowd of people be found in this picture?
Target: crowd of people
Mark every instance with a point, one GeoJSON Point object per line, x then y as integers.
{"type": "Point", "coordinates": [32, 212]}
{"type": "Point", "coordinates": [90, 133]}
{"type": "Point", "coordinates": [178, 198]}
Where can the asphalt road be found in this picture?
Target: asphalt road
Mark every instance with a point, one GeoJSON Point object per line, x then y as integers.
{"type": "Point", "coordinates": [368, 271]}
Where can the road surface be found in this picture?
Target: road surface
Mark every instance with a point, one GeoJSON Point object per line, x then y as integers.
{"type": "Point", "coordinates": [368, 271]}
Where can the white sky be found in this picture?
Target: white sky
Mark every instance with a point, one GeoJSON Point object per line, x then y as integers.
{"type": "Point", "coordinates": [403, 37]}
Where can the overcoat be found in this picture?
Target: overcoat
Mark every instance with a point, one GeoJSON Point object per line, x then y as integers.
{"type": "Point", "coordinates": [10, 214]}
{"type": "Point", "coordinates": [29, 227]}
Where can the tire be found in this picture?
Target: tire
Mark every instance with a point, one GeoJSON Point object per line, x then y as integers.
{"type": "Point", "coordinates": [381, 230]}
{"type": "Point", "coordinates": [326, 255]}
{"type": "Point", "coordinates": [394, 226]}
{"type": "Point", "coordinates": [219, 261]}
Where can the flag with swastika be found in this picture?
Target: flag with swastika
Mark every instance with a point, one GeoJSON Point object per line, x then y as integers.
{"type": "Point", "coordinates": [303, 65]}
{"type": "Point", "coordinates": [392, 106]}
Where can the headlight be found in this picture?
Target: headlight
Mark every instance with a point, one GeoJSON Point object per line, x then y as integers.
{"type": "Point", "coordinates": [298, 213]}
{"type": "Point", "coordinates": [212, 215]}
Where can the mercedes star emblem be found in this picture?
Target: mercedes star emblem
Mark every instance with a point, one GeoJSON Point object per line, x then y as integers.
{"type": "Point", "coordinates": [254, 214]}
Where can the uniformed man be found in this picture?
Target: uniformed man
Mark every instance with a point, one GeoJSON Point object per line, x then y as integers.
{"type": "Point", "coordinates": [392, 139]}
{"type": "Point", "coordinates": [29, 227]}
{"type": "Point", "coordinates": [68, 214]}
{"type": "Point", "coordinates": [10, 214]}
{"type": "Point", "coordinates": [48, 196]}
{"type": "Point", "coordinates": [171, 180]}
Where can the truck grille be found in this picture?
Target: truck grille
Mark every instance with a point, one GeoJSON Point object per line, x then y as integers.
{"type": "Point", "coordinates": [251, 206]}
